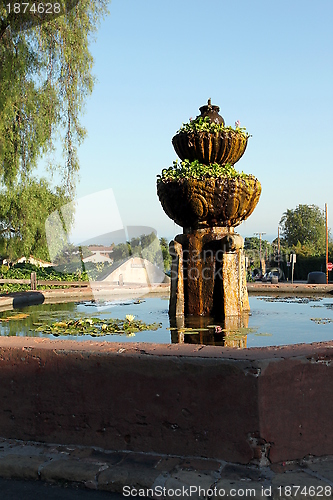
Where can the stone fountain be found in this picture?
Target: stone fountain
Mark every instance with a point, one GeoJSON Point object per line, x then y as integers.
{"type": "Point", "coordinates": [208, 276]}
{"type": "Point", "coordinates": [223, 404]}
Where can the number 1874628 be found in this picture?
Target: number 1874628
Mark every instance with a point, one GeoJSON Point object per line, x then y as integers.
{"type": "Point", "coordinates": [33, 8]}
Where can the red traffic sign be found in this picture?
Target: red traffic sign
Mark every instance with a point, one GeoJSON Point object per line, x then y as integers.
{"type": "Point", "coordinates": [329, 266]}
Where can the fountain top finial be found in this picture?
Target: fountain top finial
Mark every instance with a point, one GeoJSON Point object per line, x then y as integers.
{"type": "Point", "coordinates": [212, 112]}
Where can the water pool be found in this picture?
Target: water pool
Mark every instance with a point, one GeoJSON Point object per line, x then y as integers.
{"type": "Point", "coordinates": [276, 320]}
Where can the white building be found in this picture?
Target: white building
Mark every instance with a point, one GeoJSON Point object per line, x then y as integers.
{"type": "Point", "coordinates": [99, 254]}
{"type": "Point", "coordinates": [32, 260]}
{"type": "Point", "coordinates": [136, 271]}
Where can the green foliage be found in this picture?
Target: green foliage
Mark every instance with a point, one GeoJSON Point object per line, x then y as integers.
{"type": "Point", "coordinates": [252, 251]}
{"type": "Point", "coordinates": [97, 327]}
{"type": "Point", "coordinates": [73, 268]}
{"type": "Point", "coordinates": [121, 251]}
{"type": "Point", "coordinates": [304, 230]}
{"type": "Point", "coordinates": [14, 287]}
{"type": "Point", "coordinates": [167, 259]}
{"type": "Point", "coordinates": [45, 75]}
{"type": "Point", "coordinates": [145, 246]}
{"type": "Point", "coordinates": [148, 247]}
{"type": "Point", "coordinates": [253, 243]}
{"type": "Point", "coordinates": [23, 271]}
{"type": "Point", "coordinates": [85, 252]}
{"type": "Point", "coordinates": [196, 170]}
{"type": "Point", "coordinates": [24, 209]}
{"type": "Point", "coordinates": [71, 256]}
{"type": "Point", "coordinates": [204, 124]}
{"type": "Point", "coordinates": [96, 270]}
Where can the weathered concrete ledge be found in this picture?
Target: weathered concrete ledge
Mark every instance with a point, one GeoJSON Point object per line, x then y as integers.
{"type": "Point", "coordinates": [102, 291]}
{"type": "Point", "coordinates": [253, 405]}
{"type": "Point", "coordinates": [122, 471]}
{"type": "Point", "coordinates": [294, 289]}
{"type": "Point", "coordinates": [94, 292]}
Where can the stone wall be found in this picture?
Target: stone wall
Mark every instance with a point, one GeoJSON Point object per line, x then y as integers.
{"type": "Point", "coordinates": [238, 405]}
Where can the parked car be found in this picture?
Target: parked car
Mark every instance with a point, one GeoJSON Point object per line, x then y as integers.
{"type": "Point", "coordinates": [317, 277]}
{"type": "Point", "coordinates": [274, 272]}
{"type": "Point", "coordinates": [256, 274]}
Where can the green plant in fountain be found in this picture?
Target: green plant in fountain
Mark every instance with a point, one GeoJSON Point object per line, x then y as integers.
{"type": "Point", "coordinates": [196, 170]}
{"type": "Point", "coordinates": [204, 124]}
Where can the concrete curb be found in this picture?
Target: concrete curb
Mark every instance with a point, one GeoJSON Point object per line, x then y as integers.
{"type": "Point", "coordinates": [294, 289]}
{"type": "Point", "coordinates": [21, 299]}
{"type": "Point", "coordinates": [123, 471]}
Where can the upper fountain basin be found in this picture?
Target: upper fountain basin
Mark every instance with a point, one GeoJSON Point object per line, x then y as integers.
{"type": "Point", "coordinates": [226, 146]}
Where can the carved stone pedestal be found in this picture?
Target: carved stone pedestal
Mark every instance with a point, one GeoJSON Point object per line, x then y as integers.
{"type": "Point", "coordinates": [208, 273]}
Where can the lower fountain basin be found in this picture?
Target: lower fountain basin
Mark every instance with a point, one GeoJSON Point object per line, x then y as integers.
{"type": "Point", "coordinates": [246, 405]}
{"type": "Point", "coordinates": [223, 202]}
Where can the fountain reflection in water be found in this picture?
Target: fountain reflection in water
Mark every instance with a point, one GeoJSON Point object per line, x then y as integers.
{"type": "Point", "coordinates": [231, 332]}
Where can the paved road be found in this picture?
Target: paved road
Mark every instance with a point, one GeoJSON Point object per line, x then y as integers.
{"type": "Point", "coordinates": [11, 489]}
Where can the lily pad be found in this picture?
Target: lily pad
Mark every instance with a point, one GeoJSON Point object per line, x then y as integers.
{"type": "Point", "coordinates": [322, 321]}
{"type": "Point", "coordinates": [15, 317]}
{"type": "Point", "coordinates": [95, 327]}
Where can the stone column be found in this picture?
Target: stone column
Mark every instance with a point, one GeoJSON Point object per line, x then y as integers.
{"type": "Point", "coordinates": [176, 305]}
{"type": "Point", "coordinates": [208, 273]}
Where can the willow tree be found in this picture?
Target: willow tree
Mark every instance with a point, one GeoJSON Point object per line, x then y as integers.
{"type": "Point", "coordinates": [24, 210]}
{"type": "Point", "coordinates": [45, 78]}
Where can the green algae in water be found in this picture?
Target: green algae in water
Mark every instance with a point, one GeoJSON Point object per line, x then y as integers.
{"type": "Point", "coordinates": [291, 300]}
{"type": "Point", "coordinates": [238, 333]}
{"type": "Point", "coordinates": [14, 317]}
{"type": "Point", "coordinates": [97, 327]}
{"type": "Point", "coordinates": [326, 305]}
{"type": "Point", "coordinates": [322, 321]}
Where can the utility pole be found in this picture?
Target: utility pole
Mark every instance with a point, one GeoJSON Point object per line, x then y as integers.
{"type": "Point", "coordinates": [279, 247]}
{"type": "Point", "coordinates": [326, 225]}
{"type": "Point", "coordinates": [259, 234]}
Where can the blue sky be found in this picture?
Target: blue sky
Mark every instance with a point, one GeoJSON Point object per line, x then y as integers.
{"type": "Point", "coordinates": [267, 64]}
